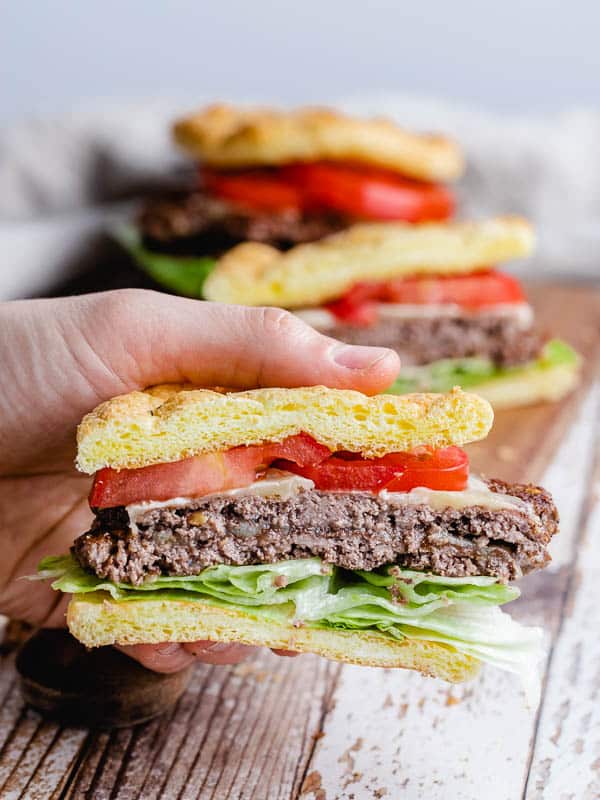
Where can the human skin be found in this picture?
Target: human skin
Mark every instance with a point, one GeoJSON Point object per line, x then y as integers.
{"type": "Point", "coordinates": [62, 357]}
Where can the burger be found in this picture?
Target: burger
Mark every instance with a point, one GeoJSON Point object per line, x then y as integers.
{"type": "Point", "coordinates": [310, 519]}
{"type": "Point", "coordinates": [283, 178]}
{"type": "Point", "coordinates": [431, 292]}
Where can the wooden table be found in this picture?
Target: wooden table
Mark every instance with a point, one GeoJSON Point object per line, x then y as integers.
{"type": "Point", "coordinates": [285, 728]}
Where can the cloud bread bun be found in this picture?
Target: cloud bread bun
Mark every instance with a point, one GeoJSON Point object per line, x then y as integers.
{"type": "Point", "coordinates": [232, 137]}
{"type": "Point", "coordinates": [96, 620]}
{"type": "Point", "coordinates": [527, 387]}
{"type": "Point", "coordinates": [169, 423]}
{"type": "Point", "coordinates": [311, 274]}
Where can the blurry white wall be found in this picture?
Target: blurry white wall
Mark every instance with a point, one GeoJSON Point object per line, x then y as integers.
{"type": "Point", "coordinates": [517, 82]}
{"type": "Point", "coordinates": [513, 55]}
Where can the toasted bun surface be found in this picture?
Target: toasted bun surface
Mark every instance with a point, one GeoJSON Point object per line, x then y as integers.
{"type": "Point", "coordinates": [167, 423]}
{"type": "Point", "coordinates": [96, 620]}
{"type": "Point", "coordinates": [311, 274]}
{"type": "Point", "coordinates": [233, 137]}
{"type": "Point", "coordinates": [526, 388]}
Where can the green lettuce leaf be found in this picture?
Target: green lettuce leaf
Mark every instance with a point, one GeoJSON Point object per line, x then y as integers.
{"type": "Point", "coordinates": [443, 375]}
{"type": "Point", "coordinates": [181, 274]}
{"type": "Point", "coordinates": [461, 612]}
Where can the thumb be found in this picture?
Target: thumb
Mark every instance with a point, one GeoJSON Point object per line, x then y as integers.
{"type": "Point", "coordinates": [147, 338]}
{"type": "Point", "coordinates": [62, 357]}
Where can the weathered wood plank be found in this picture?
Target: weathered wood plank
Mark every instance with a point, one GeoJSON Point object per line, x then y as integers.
{"type": "Point", "coordinates": [52, 773]}
{"type": "Point", "coordinates": [568, 477]}
{"type": "Point", "coordinates": [31, 739]}
{"type": "Point", "coordinates": [523, 441]}
{"type": "Point", "coordinates": [243, 732]}
{"type": "Point", "coordinates": [80, 781]}
{"type": "Point", "coordinates": [566, 758]}
{"type": "Point", "coordinates": [394, 733]}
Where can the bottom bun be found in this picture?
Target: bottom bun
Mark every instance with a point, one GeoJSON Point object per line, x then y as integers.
{"type": "Point", "coordinates": [95, 619]}
{"type": "Point", "coordinates": [527, 387]}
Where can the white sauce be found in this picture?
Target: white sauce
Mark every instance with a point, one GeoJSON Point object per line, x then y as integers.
{"type": "Point", "coordinates": [274, 483]}
{"type": "Point", "coordinates": [477, 493]}
{"type": "Point", "coordinates": [284, 485]}
{"type": "Point", "coordinates": [520, 312]}
{"type": "Point", "coordinates": [322, 319]}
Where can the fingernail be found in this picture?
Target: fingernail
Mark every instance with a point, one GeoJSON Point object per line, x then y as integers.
{"type": "Point", "coordinates": [167, 649]}
{"type": "Point", "coordinates": [217, 647]}
{"type": "Point", "coordinates": [214, 647]}
{"type": "Point", "coordinates": [357, 357]}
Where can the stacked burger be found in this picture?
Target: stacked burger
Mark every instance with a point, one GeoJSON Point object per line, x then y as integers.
{"type": "Point", "coordinates": [309, 519]}
{"type": "Point", "coordinates": [429, 291]}
{"type": "Point", "coordinates": [283, 178]}
{"type": "Point", "coordinates": [345, 222]}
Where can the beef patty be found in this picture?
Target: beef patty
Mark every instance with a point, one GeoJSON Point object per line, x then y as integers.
{"type": "Point", "coordinates": [421, 340]}
{"type": "Point", "coordinates": [352, 530]}
{"type": "Point", "coordinates": [193, 223]}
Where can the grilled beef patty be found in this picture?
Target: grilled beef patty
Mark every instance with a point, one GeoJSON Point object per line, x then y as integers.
{"type": "Point", "coordinates": [352, 530]}
{"type": "Point", "coordinates": [421, 340]}
{"type": "Point", "coordinates": [193, 223]}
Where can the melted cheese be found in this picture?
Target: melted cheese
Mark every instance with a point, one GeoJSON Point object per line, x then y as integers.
{"type": "Point", "coordinates": [274, 483]}
{"type": "Point", "coordinates": [477, 493]}
{"type": "Point", "coordinates": [284, 485]}
{"type": "Point", "coordinates": [522, 313]}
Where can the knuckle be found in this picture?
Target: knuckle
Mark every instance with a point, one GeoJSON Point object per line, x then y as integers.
{"type": "Point", "coordinates": [122, 304]}
{"type": "Point", "coordinates": [276, 322]}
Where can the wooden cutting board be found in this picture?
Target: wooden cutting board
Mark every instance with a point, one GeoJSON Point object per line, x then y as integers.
{"type": "Point", "coordinates": [523, 441]}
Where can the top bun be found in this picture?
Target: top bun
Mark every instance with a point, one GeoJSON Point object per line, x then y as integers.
{"type": "Point", "coordinates": [232, 137]}
{"type": "Point", "coordinates": [257, 274]}
{"type": "Point", "coordinates": [168, 423]}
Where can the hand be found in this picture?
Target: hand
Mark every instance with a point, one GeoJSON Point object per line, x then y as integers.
{"type": "Point", "coordinates": [62, 357]}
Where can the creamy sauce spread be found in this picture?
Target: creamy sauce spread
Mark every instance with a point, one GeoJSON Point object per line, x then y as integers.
{"type": "Point", "coordinates": [274, 483]}
{"type": "Point", "coordinates": [477, 493]}
{"type": "Point", "coordinates": [284, 485]}
{"type": "Point", "coordinates": [322, 319]}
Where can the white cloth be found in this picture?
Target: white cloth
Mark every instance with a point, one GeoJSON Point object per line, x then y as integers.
{"type": "Point", "coordinates": [60, 180]}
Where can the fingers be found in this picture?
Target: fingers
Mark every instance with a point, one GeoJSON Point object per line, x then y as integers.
{"type": "Point", "coordinates": [173, 657]}
{"type": "Point", "coordinates": [168, 657]}
{"type": "Point", "coordinates": [218, 652]}
{"type": "Point", "coordinates": [98, 346]}
{"type": "Point", "coordinates": [146, 337]}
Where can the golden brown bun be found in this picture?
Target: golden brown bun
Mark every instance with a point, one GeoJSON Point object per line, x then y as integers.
{"type": "Point", "coordinates": [257, 274]}
{"type": "Point", "coordinates": [96, 620]}
{"type": "Point", "coordinates": [168, 423]}
{"type": "Point", "coordinates": [526, 388]}
{"type": "Point", "coordinates": [233, 137]}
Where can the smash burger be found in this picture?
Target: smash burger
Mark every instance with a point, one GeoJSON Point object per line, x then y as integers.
{"type": "Point", "coordinates": [286, 177]}
{"type": "Point", "coordinates": [432, 292]}
{"type": "Point", "coordinates": [309, 519]}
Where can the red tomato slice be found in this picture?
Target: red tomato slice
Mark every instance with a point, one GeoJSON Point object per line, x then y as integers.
{"type": "Point", "coordinates": [361, 314]}
{"type": "Point", "coordinates": [357, 190]}
{"type": "Point", "coordinates": [359, 305]}
{"type": "Point", "coordinates": [256, 189]}
{"type": "Point", "coordinates": [199, 475]}
{"type": "Point", "coordinates": [476, 290]}
{"type": "Point", "coordinates": [370, 192]}
{"type": "Point", "coordinates": [445, 469]}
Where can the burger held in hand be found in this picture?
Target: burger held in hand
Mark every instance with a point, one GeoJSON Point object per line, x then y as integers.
{"type": "Point", "coordinates": [311, 519]}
